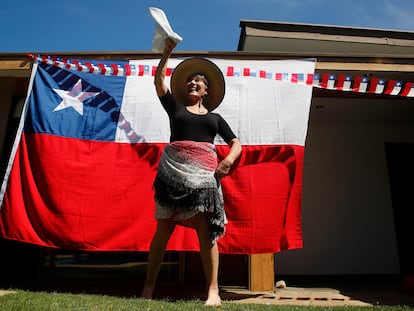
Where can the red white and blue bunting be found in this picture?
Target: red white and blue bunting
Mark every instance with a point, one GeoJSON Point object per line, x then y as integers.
{"type": "Point", "coordinates": [340, 82]}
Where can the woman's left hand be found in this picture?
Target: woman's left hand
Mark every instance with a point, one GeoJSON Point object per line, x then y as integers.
{"type": "Point", "coordinates": [223, 169]}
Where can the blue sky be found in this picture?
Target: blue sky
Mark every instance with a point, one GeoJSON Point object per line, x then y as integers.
{"type": "Point", "coordinates": [211, 25]}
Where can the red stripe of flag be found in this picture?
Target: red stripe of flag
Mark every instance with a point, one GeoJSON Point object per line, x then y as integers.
{"type": "Point", "coordinates": [127, 69]}
{"type": "Point", "coordinates": [153, 70]}
{"type": "Point", "coordinates": [324, 82]}
{"type": "Point", "coordinates": [309, 79]}
{"type": "Point", "coordinates": [89, 66]}
{"type": "Point", "coordinates": [102, 67]}
{"type": "Point", "coordinates": [407, 89]}
{"type": "Point", "coordinates": [168, 72]}
{"type": "Point", "coordinates": [114, 69]}
{"type": "Point", "coordinates": [294, 78]}
{"type": "Point", "coordinates": [390, 87]}
{"type": "Point", "coordinates": [67, 64]}
{"type": "Point", "coordinates": [141, 70]}
{"type": "Point", "coordinates": [262, 74]}
{"type": "Point", "coordinates": [340, 82]}
{"type": "Point", "coordinates": [55, 60]}
{"type": "Point", "coordinates": [357, 83]}
{"type": "Point", "coordinates": [278, 76]}
{"type": "Point", "coordinates": [373, 86]}
{"type": "Point", "coordinates": [230, 71]}
{"type": "Point", "coordinates": [77, 64]}
{"type": "Point", "coordinates": [246, 72]}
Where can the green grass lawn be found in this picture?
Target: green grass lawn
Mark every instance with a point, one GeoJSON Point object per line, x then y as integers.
{"type": "Point", "coordinates": [21, 300]}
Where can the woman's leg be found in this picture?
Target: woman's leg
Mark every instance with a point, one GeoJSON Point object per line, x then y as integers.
{"type": "Point", "coordinates": [210, 258]}
{"type": "Point", "coordinates": [156, 254]}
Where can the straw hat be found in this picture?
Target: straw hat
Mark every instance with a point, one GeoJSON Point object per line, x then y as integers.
{"type": "Point", "coordinates": [197, 65]}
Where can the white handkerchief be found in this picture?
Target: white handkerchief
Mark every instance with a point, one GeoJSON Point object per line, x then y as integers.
{"type": "Point", "coordinates": [163, 30]}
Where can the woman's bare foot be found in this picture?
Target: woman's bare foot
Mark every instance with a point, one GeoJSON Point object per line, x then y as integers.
{"type": "Point", "coordinates": [147, 292]}
{"type": "Point", "coordinates": [213, 298]}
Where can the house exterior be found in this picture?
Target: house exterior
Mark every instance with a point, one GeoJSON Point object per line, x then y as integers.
{"type": "Point", "coordinates": [356, 197]}
{"type": "Point", "coordinates": [356, 187]}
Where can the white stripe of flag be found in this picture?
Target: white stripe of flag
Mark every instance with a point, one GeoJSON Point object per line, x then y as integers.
{"type": "Point", "coordinates": [363, 85]}
{"type": "Point", "coordinates": [397, 88]}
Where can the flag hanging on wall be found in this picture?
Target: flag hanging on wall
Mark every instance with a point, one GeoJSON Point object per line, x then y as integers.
{"type": "Point", "coordinates": [85, 156]}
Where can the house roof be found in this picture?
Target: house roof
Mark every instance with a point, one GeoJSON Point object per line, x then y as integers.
{"type": "Point", "coordinates": [387, 54]}
{"type": "Point", "coordinates": [333, 40]}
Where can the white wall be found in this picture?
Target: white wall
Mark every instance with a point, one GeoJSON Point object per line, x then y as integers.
{"type": "Point", "coordinates": [348, 223]}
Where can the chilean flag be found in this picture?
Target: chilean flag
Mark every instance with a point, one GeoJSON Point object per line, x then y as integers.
{"type": "Point", "coordinates": [86, 152]}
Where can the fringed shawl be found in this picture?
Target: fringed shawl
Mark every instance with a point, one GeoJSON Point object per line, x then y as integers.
{"type": "Point", "coordinates": [185, 183]}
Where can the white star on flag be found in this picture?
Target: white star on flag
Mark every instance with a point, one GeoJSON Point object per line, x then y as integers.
{"type": "Point", "coordinates": [74, 98]}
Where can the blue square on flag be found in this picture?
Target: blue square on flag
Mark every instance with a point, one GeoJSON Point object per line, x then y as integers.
{"type": "Point", "coordinates": [74, 104]}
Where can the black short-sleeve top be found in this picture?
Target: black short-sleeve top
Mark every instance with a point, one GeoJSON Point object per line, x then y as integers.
{"type": "Point", "coordinates": [185, 125]}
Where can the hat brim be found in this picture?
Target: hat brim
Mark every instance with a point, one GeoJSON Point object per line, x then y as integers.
{"type": "Point", "coordinates": [198, 65]}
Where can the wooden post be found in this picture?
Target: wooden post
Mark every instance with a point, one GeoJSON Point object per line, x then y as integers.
{"type": "Point", "coordinates": [261, 272]}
